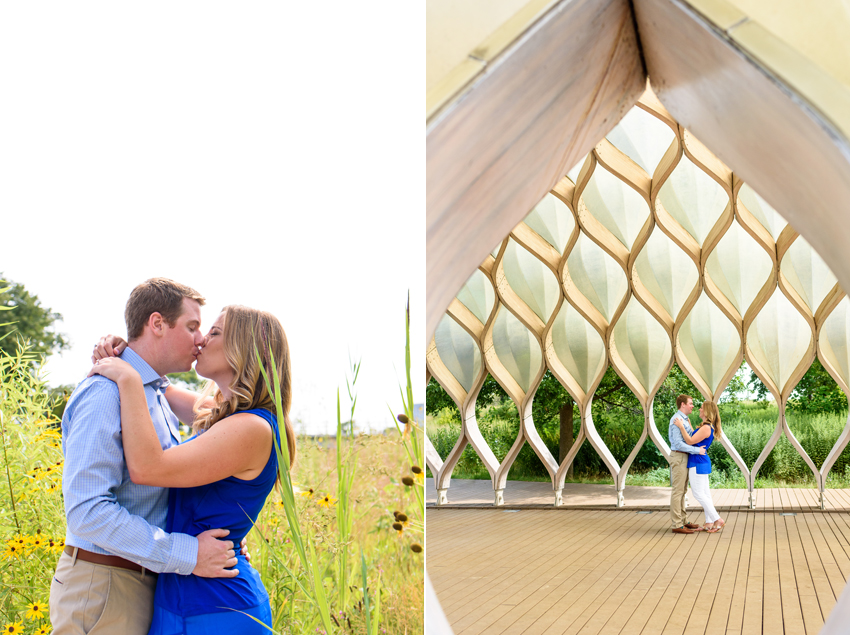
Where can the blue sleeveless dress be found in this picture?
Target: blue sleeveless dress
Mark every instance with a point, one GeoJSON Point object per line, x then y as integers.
{"type": "Point", "coordinates": [191, 605]}
{"type": "Point", "coordinates": [701, 461]}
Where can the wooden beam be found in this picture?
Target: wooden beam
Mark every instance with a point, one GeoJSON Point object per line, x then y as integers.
{"type": "Point", "coordinates": [503, 143]}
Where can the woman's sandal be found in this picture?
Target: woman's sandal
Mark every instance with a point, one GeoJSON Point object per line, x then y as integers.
{"type": "Point", "coordinates": [719, 524]}
{"type": "Point", "coordinates": [713, 530]}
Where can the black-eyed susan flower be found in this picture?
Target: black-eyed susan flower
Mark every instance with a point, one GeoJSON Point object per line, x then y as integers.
{"type": "Point", "coordinates": [307, 493]}
{"type": "Point", "coordinates": [13, 550]}
{"type": "Point", "coordinates": [407, 481]}
{"type": "Point", "coordinates": [416, 547]}
{"type": "Point", "coordinates": [44, 630]}
{"type": "Point", "coordinates": [35, 610]}
{"type": "Point", "coordinates": [327, 501]}
{"type": "Point", "coordinates": [13, 627]}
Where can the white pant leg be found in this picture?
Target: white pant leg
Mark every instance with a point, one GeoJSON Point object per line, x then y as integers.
{"type": "Point", "coordinates": [702, 492]}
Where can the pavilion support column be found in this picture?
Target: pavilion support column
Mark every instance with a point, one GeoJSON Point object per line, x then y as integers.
{"type": "Point", "coordinates": [566, 440]}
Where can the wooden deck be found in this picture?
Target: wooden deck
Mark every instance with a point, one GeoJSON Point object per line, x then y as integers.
{"type": "Point", "coordinates": [606, 570]}
{"type": "Point", "coordinates": [463, 493]}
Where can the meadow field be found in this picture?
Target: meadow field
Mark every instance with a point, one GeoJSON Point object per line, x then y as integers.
{"type": "Point", "coordinates": [339, 547]}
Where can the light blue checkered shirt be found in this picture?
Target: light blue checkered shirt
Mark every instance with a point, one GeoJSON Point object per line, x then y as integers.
{"type": "Point", "coordinates": [107, 513]}
{"type": "Point", "coordinates": [677, 442]}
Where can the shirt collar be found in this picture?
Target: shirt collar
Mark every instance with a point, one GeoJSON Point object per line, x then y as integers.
{"type": "Point", "coordinates": [683, 414]}
{"type": "Point", "coordinates": [144, 369]}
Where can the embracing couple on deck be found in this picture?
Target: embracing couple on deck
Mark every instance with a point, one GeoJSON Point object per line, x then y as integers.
{"type": "Point", "coordinates": [139, 557]}
{"type": "Point", "coordinates": [689, 462]}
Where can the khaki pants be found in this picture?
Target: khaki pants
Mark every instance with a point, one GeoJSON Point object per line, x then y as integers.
{"type": "Point", "coordinates": [679, 474]}
{"type": "Point", "coordinates": [92, 598]}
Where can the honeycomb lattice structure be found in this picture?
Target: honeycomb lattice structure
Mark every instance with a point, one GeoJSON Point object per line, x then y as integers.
{"type": "Point", "coordinates": [651, 252]}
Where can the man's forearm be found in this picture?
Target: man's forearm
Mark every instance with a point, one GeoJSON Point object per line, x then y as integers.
{"type": "Point", "coordinates": [677, 442]}
{"type": "Point", "coordinates": [112, 528]}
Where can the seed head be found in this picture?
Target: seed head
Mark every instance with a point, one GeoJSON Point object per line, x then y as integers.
{"type": "Point", "coordinates": [403, 419]}
{"type": "Point", "coordinates": [398, 526]}
{"type": "Point", "coordinates": [416, 547]}
{"type": "Point", "coordinates": [407, 481]}
{"type": "Point", "coordinates": [416, 469]}
{"type": "Point", "coordinates": [402, 518]}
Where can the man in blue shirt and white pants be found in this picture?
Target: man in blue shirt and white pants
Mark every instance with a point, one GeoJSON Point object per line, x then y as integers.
{"type": "Point", "coordinates": [115, 541]}
{"type": "Point", "coordinates": [679, 451]}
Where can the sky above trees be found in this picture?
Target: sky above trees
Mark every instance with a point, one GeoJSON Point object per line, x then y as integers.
{"type": "Point", "coordinates": [261, 156]}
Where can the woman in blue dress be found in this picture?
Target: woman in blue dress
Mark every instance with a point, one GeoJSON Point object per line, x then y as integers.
{"type": "Point", "coordinates": [699, 465]}
{"type": "Point", "coordinates": [222, 475]}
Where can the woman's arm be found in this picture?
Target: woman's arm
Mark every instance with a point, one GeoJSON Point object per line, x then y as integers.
{"type": "Point", "coordinates": [182, 402]}
{"type": "Point", "coordinates": [700, 434]}
{"type": "Point", "coordinates": [236, 446]}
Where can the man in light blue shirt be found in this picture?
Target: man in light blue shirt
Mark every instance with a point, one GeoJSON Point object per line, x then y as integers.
{"type": "Point", "coordinates": [679, 451]}
{"type": "Point", "coordinates": [115, 537]}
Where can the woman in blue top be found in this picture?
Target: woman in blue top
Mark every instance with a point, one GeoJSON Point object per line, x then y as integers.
{"type": "Point", "coordinates": [220, 477]}
{"type": "Point", "coordinates": [699, 465]}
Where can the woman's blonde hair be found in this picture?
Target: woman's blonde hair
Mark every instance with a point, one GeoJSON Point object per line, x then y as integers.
{"type": "Point", "coordinates": [247, 333]}
{"type": "Point", "coordinates": [712, 416]}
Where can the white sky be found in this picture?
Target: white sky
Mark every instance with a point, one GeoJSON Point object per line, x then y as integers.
{"type": "Point", "coordinates": [266, 153]}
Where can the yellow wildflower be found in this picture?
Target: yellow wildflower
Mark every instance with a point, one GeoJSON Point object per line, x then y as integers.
{"type": "Point", "coordinates": [418, 473]}
{"type": "Point", "coordinates": [59, 545]}
{"type": "Point", "coordinates": [13, 627]}
{"type": "Point", "coordinates": [327, 501]}
{"type": "Point", "coordinates": [307, 493]}
{"type": "Point", "coordinates": [13, 551]}
{"type": "Point", "coordinates": [35, 610]}
{"type": "Point", "coordinates": [37, 540]}
{"type": "Point", "coordinates": [44, 630]}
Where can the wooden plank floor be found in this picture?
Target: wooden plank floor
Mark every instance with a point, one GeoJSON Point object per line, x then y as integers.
{"type": "Point", "coordinates": [606, 571]}
{"type": "Point", "coordinates": [468, 493]}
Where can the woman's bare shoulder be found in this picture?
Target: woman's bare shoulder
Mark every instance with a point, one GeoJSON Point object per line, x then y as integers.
{"type": "Point", "coordinates": [247, 421]}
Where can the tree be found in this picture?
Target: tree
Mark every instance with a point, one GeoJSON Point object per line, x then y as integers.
{"type": "Point", "coordinates": [817, 392]}
{"type": "Point", "coordinates": [27, 320]}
